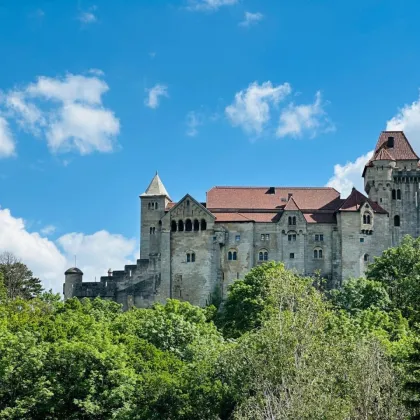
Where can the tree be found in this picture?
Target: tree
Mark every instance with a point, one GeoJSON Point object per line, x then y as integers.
{"type": "Point", "coordinates": [398, 270]}
{"type": "Point", "coordinates": [18, 279]}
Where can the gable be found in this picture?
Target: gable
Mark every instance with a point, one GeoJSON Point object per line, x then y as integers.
{"type": "Point", "coordinates": [188, 207]}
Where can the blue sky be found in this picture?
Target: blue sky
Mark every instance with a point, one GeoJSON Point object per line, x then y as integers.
{"type": "Point", "coordinates": [97, 96]}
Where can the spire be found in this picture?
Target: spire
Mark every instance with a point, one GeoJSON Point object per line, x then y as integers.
{"type": "Point", "coordinates": [156, 187]}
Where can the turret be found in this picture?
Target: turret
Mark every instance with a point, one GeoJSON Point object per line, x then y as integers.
{"type": "Point", "coordinates": [73, 277]}
{"type": "Point", "coordinates": [153, 204]}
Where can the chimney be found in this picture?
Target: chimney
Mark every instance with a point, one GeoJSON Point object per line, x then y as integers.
{"type": "Point", "coordinates": [109, 273]}
{"type": "Point", "coordinates": [289, 196]}
{"type": "Point", "coordinates": [271, 190]}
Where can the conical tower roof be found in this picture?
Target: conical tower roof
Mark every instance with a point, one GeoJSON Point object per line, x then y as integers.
{"type": "Point", "coordinates": [156, 188]}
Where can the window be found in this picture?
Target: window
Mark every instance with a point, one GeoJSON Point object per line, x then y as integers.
{"type": "Point", "coordinates": [397, 220]}
{"type": "Point", "coordinates": [196, 225]}
{"type": "Point", "coordinates": [173, 226]}
{"type": "Point", "coordinates": [232, 256]}
{"type": "Point", "coordinates": [398, 194]}
{"type": "Point", "coordinates": [366, 258]}
{"type": "Point", "coordinates": [152, 230]}
{"type": "Point", "coordinates": [394, 194]}
{"type": "Point", "coordinates": [263, 256]}
{"type": "Point", "coordinates": [362, 240]}
{"type": "Point", "coordinates": [292, 220]}
{"type": "Point", "coordinates": [267, 236]}
{"type": "Point", "coordinates": [149, 205]}
{"type": "Point", "coordinates": [390, 142]}
{"type": "Point", "coordinates": [190, 257]}
{"type": "Point", "coordinates": [180, 226]}
{"type": "Point", "coordinates": [319, 238]}
{"type": "Point", "coordinates": [366, 219]}
{"type": "Point", "coordinates": [262, 237]}
{"type": "Point", "coordinates": [291, 237]}
{"type": "Point", "coordinates": [156, 206]}
{"type": "Point", "coordinates": [318, 254]}
{"type": "Point", "coordinates": [237, 238]}
{"type": "Point", "coordinates": [292, 255]}
{"type": "Point", "coordinates": [188, 225]}
{"type": "Point", "coordinates": [203, 224]}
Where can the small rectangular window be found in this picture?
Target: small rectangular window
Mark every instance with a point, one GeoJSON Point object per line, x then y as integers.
{"type": "Point", "coordinates": [262, 237]}
{"type": "Point", "coordinates": [321, 238]}
{"type": "Point", "coordinates": [188, 258]}
{"type": "Point", "coordinates": [362, 239]}
{"type": "Point", "coordinates": [317, 238]}
{"type": "Point", "coordinates": [292, 255]}
{"type": "Point", "coordinates": [237, 238]}
{"type": "Point", "coordinates": [267, 236]}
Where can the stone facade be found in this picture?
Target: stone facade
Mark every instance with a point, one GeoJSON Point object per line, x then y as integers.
{"type": "Point", "coordinates": [193, 251]}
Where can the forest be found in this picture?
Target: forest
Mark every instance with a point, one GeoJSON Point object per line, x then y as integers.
{"type": "Point", "coordinates": [281, 346]}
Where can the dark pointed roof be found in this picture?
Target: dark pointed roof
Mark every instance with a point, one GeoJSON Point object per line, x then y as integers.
{"type": "Point", "coordinates": [356, 200]}
{"type": "Point", "coordinates": [74, 270]}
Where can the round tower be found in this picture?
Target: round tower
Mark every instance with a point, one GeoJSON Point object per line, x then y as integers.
{"type": "Point", "coordinates": [73, 277]}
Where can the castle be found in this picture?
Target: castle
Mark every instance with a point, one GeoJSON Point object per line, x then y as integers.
{"type": "Point", "coordinates": [193, 251]}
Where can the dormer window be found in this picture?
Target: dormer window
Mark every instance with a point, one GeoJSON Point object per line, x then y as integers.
{"type": "Point", "coordinates": [390, 142]}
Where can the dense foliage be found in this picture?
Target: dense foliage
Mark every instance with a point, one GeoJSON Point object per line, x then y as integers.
{"type": "Point", "coordinates": [277, 348]}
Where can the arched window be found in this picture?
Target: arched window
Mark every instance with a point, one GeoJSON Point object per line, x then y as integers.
{"type": "Point", "coordinates": [398, 194]}
{"type": "Point", "coordinates": [232, 255]}
{"type": "Point", "coordinates": [180, 226]}
{"type": "Point", "coordinates": [152, 230]}
{"type": "Point", "coordinates": [366, 219]}
{"type": "Point", "coordinates": [173, 226]}
{"type": "Point", "coordinates": [196, 225]}
{"type": "Point", "coordinates": [156, 206]}
{"type": "Point", "coordinates": [366, 258]}
{"type": "Point", "coordinates": [394, 194]}
{"type": "Point", "coordinates": [149, 205]}
{"type": "Point", "coordinates": [193, 257]}
{"type": "Point", "coordinates": [188, 225]}
{"type": "Point", "coordinates": [292, 220]}
{"type": "Point", "coordinates": [203, 224]}
{"type": "Point", "coordinates": [188, 258]}
{"type": "Point", "coordinates": [263, 255]}
{"type": "Point", "coordinates": [153, 206]}
{"type": "Point", "coordinates": [318, 254]}
{"type": "Point", "coordinates": [397, 220]}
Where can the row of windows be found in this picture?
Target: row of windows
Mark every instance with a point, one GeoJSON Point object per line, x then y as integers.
{"type": "Point", "coordinates": [263, 255]}
{"type": "Point", "coordinates": [265, 237]}
{"type": "Point", "coordinates": [396, 194]}
{"type": "Point", "coordinates": [153, 206]}
{"type": "Point", "coordinates": [188, 226]}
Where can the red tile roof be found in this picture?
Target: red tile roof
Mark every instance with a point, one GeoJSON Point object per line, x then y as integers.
{"type": "Point", "coordinates": [260, 198]}
{"type": "Point", "coordinates": [383, 154]}
{"type": "Point", "coordinates": [246, 217]}
{"type": "Point", "coordinates": [320, 217]}
{"type": "Point", "coordinates": [356, 199]}
{"type": "Point", "coordinates": [402, 149]}
{"type": "Point", "coordinates": [291, 204]}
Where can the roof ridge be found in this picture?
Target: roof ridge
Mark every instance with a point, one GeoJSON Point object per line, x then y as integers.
{"type": "Point", "coordinates": [266, 188]}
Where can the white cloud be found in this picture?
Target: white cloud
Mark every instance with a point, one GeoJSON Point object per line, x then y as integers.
{"type": "Point", "coordinates": [251, 107]}
{"type": "Point", "coordinates": [88, 16]}
{"type": "Point", "coordinates": [408, 120]}
{"type": "Point", "coordinates": [209, 5]}
{"type": "Point", "coordinates": [96, 72]}
{"type": "Point", "coordinates": [349, 175]}
{"type": "Point", "coordinates": [48, 230]}
{"type": "Point", "coordinates": [194, 120]}
{"type": "Point", "coordinates": [7, 144]}
{"type": "Point", "coordinates": [297, 119]}
{"type": "Point", "coordinates": [49, 260]}
{"type": "Point", "coordinates": [154, 94]}
{"type": "Point", "coordinates": [251, 19]}
{"type": "Point", "coordinates": [67, 111]}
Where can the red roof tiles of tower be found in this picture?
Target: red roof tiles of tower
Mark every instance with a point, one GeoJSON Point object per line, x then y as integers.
{"type": "Point", "coordinates": [402, 149]}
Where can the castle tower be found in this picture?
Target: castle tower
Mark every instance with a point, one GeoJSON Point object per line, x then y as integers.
{"type": "Point", "coordinates": [392, 180]}
{"type": "Point", "coordinates": [73, 277]}
{"type": "Point", "coordinates": [153, 204]}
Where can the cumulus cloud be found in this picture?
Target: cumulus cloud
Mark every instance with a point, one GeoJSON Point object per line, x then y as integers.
{"type": "Point", "coordinates": [154, 95]}
{"type": "Point", "coordinates": [67, 111]}
{"type": "Point", "coordinates": [298, 119]}
{"type": "Point", "coordinates": [7, 143]}
{"type": "Point", "coordinates": [251, 108]}
{"type": "Point", "coordinates": [349, 175]}
{"type": "Point", "coordinates": [209, 5]}
{"type": "Point", "coordinates": [49, 259]}
{"type": "Point", "coordinates": [407, 119]}
{"type": "Point", "coordinates": [48, 230]}
{"type": "Point", "coordinates": [251, 19]}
